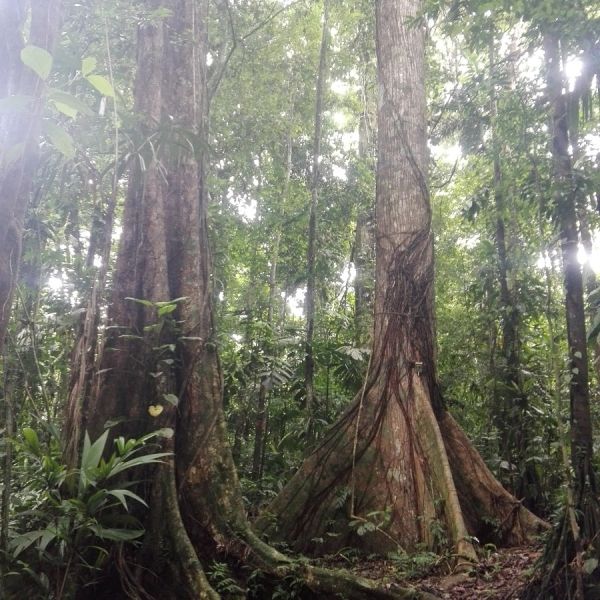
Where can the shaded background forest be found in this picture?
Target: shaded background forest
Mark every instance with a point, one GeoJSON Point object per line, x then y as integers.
{"type": "Point", "coordinates": [502, 350]}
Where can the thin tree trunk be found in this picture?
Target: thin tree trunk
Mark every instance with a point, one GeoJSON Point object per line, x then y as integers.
{"type": "Point", "coordinates": [84, 353]}
{"type": "Point", "coordinates": [511, 409]}
{"type": "Point", "coordinates": [581, 520]}
{"type": "Point", "coordinates": [363, 251]}
{"type": "Point", "coordinates": [309, 363]}
{"type": "Point", "coordinates": [7, 398]}
{"type": "Point", "coordinates": [260, 429]}
{"type": "Point", "coordinates": [581, 425]}
{"type": "Point", "coordinates": [576, 106]}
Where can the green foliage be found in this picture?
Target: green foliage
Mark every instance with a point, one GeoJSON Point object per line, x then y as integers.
{"type": "Point", "coordinates": [221, 579]}
{"type": "Point", "coordinates": [38, 60]}
{"type": "Point", "coordinates": [258, 178]}
{"type": "Point", "coordinates": [419, 564]}
{"type": "Point", "coordinates": [66, 520]}
{"type": "Point", "coordinates": [373, 521]}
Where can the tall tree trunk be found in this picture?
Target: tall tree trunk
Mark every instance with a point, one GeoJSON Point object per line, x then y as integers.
{"type": "Point", "coordinates": [576, 105]}
{"type": "Point", "coordinates": [581, 426]}
{"type": "Point", "coordinates": [311, 258]}
{"type": "Point", "coordinates": [260, 429]}
{"type": "Point", "coordinates": [396, 452]}
{"type": "Point", "coordinates": [580, 525]}
{"type": "Point", "coordinates": [364, 246]}
{"type": "Point", "coordinates": [511, 412]}
{"type": "Point", "coordinates": [84, 352]}
{"type": "Point", "coordinates": [196, 507]}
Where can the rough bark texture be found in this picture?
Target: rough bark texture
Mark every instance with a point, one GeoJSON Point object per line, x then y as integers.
{"type": "Point", "coordinates": [395, 452]}
{"type": "Point", "coordinates": [581, 424]}
{"type": "Point", "coordinates": [84, 352]}
{"type": "Point", "coordinates": [311, 257]}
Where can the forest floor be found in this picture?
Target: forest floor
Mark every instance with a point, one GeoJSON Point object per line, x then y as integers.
{"type": "Point", "coordinates": [500, 575]}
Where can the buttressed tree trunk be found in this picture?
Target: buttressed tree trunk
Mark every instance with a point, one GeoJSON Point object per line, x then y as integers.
{"type": "Point", "coordinates": [396, 458]}
{"type": "Point", "coordinates": [196, 511]}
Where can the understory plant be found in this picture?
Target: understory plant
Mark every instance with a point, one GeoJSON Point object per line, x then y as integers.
{"type": "Point", "coordinates": [68, 521]}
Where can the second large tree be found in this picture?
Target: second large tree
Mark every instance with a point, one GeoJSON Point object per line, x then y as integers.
{"type": "Point", "coordinates": [396, 465]}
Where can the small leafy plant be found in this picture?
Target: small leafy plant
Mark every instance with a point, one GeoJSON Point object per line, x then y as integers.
{"type": "Point", "coordinates": [71, 517]}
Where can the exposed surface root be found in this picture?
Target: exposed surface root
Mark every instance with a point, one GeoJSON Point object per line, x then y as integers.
{"type": "Point", "coordinates": [322, 581]}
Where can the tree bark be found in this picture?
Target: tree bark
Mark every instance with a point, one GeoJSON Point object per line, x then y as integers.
{"type": "Point", "coordinates": [395, 456]}
{"type": "Point", "coordinates": [84, 352]}
{"type": "Point", "coordinates": [580, 523]}
{"type": "Point", "coordinates": [311, 259]}
{"type": "Point", "coordinates": [581, 425]}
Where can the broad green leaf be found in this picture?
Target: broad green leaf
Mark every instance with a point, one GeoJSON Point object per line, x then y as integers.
{"type": "Point", "coordinates": [165, 432]}
{"type": "Point", "coordinates": [595, 328]}
{"type": "Point", "coordinates": [92, 453]}
{"type": "Point", "coordinates": [38, 60]}
{"type": "Point", "coordinates": [138, 461]}
{"type": "Point", "coordinates": [169, 302]}
{"type": "Point", "coordinates": [140, 301]}
{"type": "Point", "coordinates": [22, 542]}
{"type": "Point", "coordinates": [65, 109]}
{"type": "Point", "coordinates": [32, 440]}
{"type": "Point", "coordinates": [60, 139]}
{"type": "Point", "coordinates": [88, 65]}
{"type": "Point", "coordinates": [102, 85]}
{"type": "Point", "coordinates": [12, 154]}
{"type": "Point", "coordinates": [72, 103]}
{"type": "Point", "coordinates": [49, 535]}
{"type": "Point", "coordinates": [116, 535]}
{"type": "Point", "coordinates": [95, 501]}
{"type": "Point", "coordinates": [165, 310]}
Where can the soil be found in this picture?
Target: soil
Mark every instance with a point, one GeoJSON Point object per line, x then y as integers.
{"type": "Point", "coordinates": [501, 574]}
